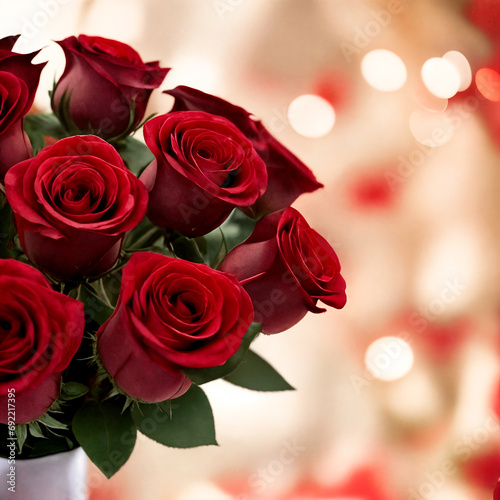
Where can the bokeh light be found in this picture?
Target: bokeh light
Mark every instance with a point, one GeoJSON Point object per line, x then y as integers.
{"type": "Point", "coordinates": [415, 398]}
{"type": "Point", "coordinates": [429, 101]}
{"type": "Point", "coordinates": [441, 77]}
{"type": "Point", "coordinates": [193, 71]}
{"type": "Point", "coordinates": [488, 83]}
{"type": "Point", "coordinates": [462, 66]}
{"type": "Point", "coordinates": [311, 115]}
{"type": "Point", "coordinates": [430, 128]}
{"type": "Point", "coordinates": [389, 386]}
{"type": "Point", "coordinates": [128, 19]}
{"type": "Point", "coordinates": [384, 70]}
{"type": "Point", "coordinates": [203, 490]}
{"type": "Point", "coordinates": [389, 358]}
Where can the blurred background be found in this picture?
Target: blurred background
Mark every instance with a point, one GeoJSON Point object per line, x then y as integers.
{"type": "Point", "coordinates": [395, 106]}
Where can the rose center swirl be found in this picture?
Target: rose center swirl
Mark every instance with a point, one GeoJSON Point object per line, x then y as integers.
{"type": "Point", "coordinates": [78, 191]}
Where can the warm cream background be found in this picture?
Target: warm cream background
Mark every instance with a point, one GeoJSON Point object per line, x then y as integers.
{"type": "Point", "coordinates": [440, 224]}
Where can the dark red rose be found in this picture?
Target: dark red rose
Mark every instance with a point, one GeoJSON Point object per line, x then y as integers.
{"type": "Point", "coordinates": [20, 64]}
{"type": "Point", "coordinates": [204, 168]}
{"type": "Point", "coordinates": [73, 204]}
{"type": "Point", "coordinates": [18, 84]}
{"type": "Point", "coordinates": [40, 332]}
{"type": "Point", "coordinates": [107, 84]}
{"type": "Point", "coordinates": [14, 104]}
{"type": "Point", "coordinates": [286, 267]}
{"type": "Point", "coordinates": [288, 177]}
{"type": "Point", "coordinates": [171, 314]}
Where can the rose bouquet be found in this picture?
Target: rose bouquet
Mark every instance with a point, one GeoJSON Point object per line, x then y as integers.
{"type": "Point", "coordinates": [130, 273]}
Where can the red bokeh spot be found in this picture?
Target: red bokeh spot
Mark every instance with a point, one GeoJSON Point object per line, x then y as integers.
{"type": "Point", "coordinates": [364, 483]}
{"type": "Point", "coordinates": [442, 340]}
{"type": "Point", "coordinates": [333, 87]}
{"type": "Point", "coordinates": [496, 401]}
{"type": "Point", "coordinates": [371, 191]}
{"type": "Point", "coordinates": [105, 491]}
{"type": "Point", "coordinates": [485, 14]}
{"type": "Point", "coordinates": [488, 83]}
{"type": "Point", "coordinates": [483, 470]}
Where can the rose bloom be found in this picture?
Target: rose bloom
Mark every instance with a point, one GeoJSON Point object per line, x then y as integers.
{"type": "Point", "coordinates": [288, 177]}
{"type": "Point", "coordinates": [40, 332]}
{"type": "Point", "coordinates": [286, 267]}
{"type": "Point", "coordinates": [204, 167]}
{"type": "Point", "coordinates": [18, 84]}
{"type": "Point", "coordinates": [73, 204]}
{"type": "Point", "coordinates": [171, 314]}
{"type": "Point", "coordinates": [107, 84]}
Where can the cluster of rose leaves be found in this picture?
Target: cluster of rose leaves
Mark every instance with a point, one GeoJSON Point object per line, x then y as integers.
{"type": "Point", "coordinates": [87, 224]}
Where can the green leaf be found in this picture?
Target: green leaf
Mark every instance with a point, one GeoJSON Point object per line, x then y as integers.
{"type": "Point", "coordinates": [7, 229]}
{"type": "Point", "coordinates": [35, 135]}
{"type": "Point", "coordinates": [51, 422]}
{"type": "Point", "coordinates": [203, 375]}
{"type": "Point", "coordinates": [37, 126]}
{"type": "Point", "coordinates": [30, 446]}
{"type": "Point", "coordinates": [163, 250]}
{"type": "Point", "coordinates": [212, 247]}
{"type": "Point", "coordinates": [187, 249]}
{"type": "Point", "coordinates": [63, 113]}
{"type": "Point", "coordinates": [135, 154]}
{"type": "Point", "coordinates": [73, 390]}
{"type": "Point", "coordinates": [106, 434]}
{"type": "Point", "coordinates": [257, 374]}
{"type": "Point", "coordinates": [110, 283]}
{"type": "Point", "coordinates": [35, 430]}
{"type": "Point", "coordinates": [142, 237]}
{"type": "Point", "coordinates": [102, 292]}
{"type": "Point", "coordinates": [96, 306]}
{"type": "Point", "coordinates": [183, 422]}
{"type": "Point", "coordinates": [21, 434]}
{"type": "Point", "coordinates": [237, 228]}
{"type": "Point", "coordinates": [221, 254]}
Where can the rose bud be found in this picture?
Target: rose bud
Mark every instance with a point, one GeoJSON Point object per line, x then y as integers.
{"type": "Point", "coordinates": [204, 168]}
{"type": "Point", "coordinates": [171, 314]}
{"type": "Point", "coordinates": [286, 267]}
{"type": "Point", "coordinates": [105, 86]}
{"type": "Point", "coordinates": [288, 177]}
{"type": "Point", "coordinates": [73, 204]}
{"type": "Point", "coordinates": [18, 84]}
{"type": "Point", "coordinates": [40, 332]}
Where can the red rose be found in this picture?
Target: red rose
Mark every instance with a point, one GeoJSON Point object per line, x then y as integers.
{"type": "Point", "coordinates": [40, 332]}
{"type": "Point", "coordinates": [18, 84]}
{"type": "Point", "coordinates": [107, 84]}
{"type": "Point", "coordinates": [288, 177]}
{"type": "Point", "coordinates": [171, 314]}
{"type": "Point", "coordinates": [286, 267]}
{"type": "Point", "coordinates": [204, 168]}
{"type": "Point", "coordinates": [73, 204]}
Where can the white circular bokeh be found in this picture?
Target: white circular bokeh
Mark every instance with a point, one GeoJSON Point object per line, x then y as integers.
{"type": "Point", "coordinates": [389, 358]}
{"type": "Point", "coordinates": [462, 66]}
{"type": "Point", "coordinates": [384, 70]}
{"type": "Point", "coordinates": [311, 115]}
{"type": "Point", "coordinates": [441, 77]}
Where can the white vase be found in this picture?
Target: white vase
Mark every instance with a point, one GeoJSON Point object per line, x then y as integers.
{"type": "Point", "coordinates": [62, 476]}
